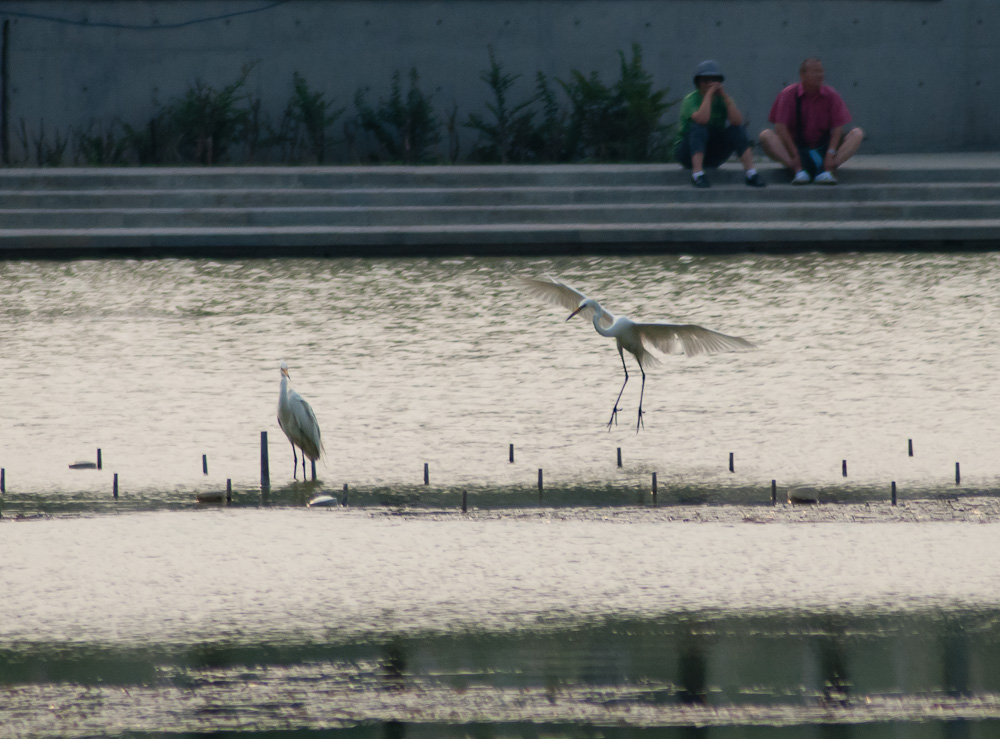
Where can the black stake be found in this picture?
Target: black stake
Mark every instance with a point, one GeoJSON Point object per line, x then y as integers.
{"type": "Point", "coordinates": [539, 482]}
{"type": "Point", "coordinates": [343, 501]}
{"type": "Point", "coordinates": [654, 488]}
{"type": "Point", "coordinates": [894, 492]}
{"type": "Point", "coordinates": [99, 465]}
{"type": "Point", "coordinates": [313, 463]}
{"type": "Point", "coordinates": [843, 467]}
{"type": "Point", "coordinates": [265, 469]}
{"type": "Point", "coordinates": [512, 454]}
{"type": "Point", "coordinates": [910, 445]}
{"type": "Point", "coordinates": [427, 473]}
{"type": "Point", "coordinates": [774, 492]}
{"type": "Point", "coordinates": [958, 474]}
{"type": "Point", "coordinates": [619, 456]}
{"type": "Point", "coordinates": [465, 501]}
{"type": "Point", "coordinates": [3, 480]}
{"type": "Point", "coordinates": [204, 464]}
{"type": "Point", "coordinates": [731, 462]}
{"type": "Point", "coordinates": [115, 488]}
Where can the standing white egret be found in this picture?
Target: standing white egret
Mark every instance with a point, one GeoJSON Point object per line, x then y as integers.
{"type": "Point", "coordinates": [637, 338]}
{"type": "Point", "coordinates": [297, 420]}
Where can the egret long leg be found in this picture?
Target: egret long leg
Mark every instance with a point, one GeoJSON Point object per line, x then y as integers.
{"type": "Point", "coordinates": [640, 422]}
{"type": "Point", "coordinates": [614, 411]}
{"type": "Point", "coordinates": [295, 463]}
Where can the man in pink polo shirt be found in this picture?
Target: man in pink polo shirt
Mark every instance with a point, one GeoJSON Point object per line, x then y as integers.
{"type": "Point", "coordinates": [808, 136]}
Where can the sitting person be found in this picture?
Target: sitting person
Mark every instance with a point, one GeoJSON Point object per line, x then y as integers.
{"type": "Point", "coordinates": [808, 136]}
{"type": "Point", "coordinates": [711, 129]}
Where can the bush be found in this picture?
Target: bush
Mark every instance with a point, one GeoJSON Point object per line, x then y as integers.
{"type": "Point", "coordinates": [405, 130]}
{"type": "Point", "coordinates": [101, 147]}
{"type": "Point", "coordinates": [312, 116]}
{"type": "Point", "coordinates": [509, 136]}
{"type": "Point", "coordinates": [204, 121]}
{"type": "Point", "coordinates": [47, 153]}
{"type": "Point", "coordinates": [620, 122]}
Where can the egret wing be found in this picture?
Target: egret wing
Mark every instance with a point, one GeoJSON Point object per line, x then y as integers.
{"type": "Point", "coordinates": [558, 293]}
{"type": "Point", "coordinates": [304, 419]}
{"type": "Point", "coordinates": [689, 339]}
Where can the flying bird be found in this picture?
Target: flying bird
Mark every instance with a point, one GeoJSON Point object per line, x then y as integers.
{"type": "Point", "coordinates": [297, 420]}
{"type": "Point", "coordinates": [636, 338]}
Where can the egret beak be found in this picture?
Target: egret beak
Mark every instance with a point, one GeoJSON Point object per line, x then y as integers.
{"type": "Point", "coordinates": [285, 373]}
{"type": "Point", "coordinates": [575, 312]}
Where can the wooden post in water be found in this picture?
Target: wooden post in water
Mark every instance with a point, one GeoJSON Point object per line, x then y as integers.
{"type": "Point", "coordinates": [265, 469]}
{"type": "Point", "coordinates": [894, 492]}
{"type": "Point", "coordinates": [843, 468]}
{"type": "Point", "coordinates": [910, 446]}
{"type": "Point", "coordinates": [343, 501]}
{"type": "Point", "coordinates": [731, 469]}
{"type": "Point", "coordinates": [958, 474]}
{"type": "Point", "coordinates": [99, 463]}
{"type": "Point", "coordinates": [512, 454]}
{"type": "Point", "coordinates": [539, 483]}
{"type": "Point", "coordinates": [115, 487]}
{"type": "Point", "coordinates": [774, 492]}
{"type": "Point", "coordinates": [465, 501]}
{"type": "Point", "coordinates": [3, 480]}
{"type": "Point", "coordinates": [427, 474]}
{"type": "Point", "coordinates": [313, 463]}
{"type": "Point", "coordinates": [229, 490]}
{"type": "Point", "coordinates": [619, 456]}
{"type": "Point", "coordinates": [654, 488]}
{"type": "Point", "coordinates": [204, 464]}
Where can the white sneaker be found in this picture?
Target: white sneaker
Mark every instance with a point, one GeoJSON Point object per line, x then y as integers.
{"type": "Point", "coordinates": [801, 178]}
{"type": "Point", "coordinates": [825, 178]}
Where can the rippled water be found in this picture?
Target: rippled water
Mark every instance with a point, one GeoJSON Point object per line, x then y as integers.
{"type": "Point", "coordinates": [399, 616]}
{"type": "Point", "coordinates": [344, 618]}
{"type": "Point", "coordinates": [448, 362]}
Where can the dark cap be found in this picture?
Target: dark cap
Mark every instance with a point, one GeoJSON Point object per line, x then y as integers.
{"type": "Point", "coordinates": [708, 68]}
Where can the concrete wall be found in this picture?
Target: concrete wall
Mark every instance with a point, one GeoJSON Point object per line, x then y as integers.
{"type": "Point", "coordinates": [918, 75]}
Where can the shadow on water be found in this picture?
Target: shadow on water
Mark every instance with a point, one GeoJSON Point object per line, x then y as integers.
{"type": "Point", "coordinates": [794, 675]}
{"type": "Point", "coordinates": [398, 730]}
{"type": "Point", "coordinates": [586, 494]}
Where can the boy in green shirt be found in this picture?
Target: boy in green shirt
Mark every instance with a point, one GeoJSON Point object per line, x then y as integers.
{"type": "Point", "coordinates": [711, 129]}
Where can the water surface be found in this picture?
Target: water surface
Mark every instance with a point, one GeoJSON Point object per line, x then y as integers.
{"type": "Point", "coordinates": [448, 362]}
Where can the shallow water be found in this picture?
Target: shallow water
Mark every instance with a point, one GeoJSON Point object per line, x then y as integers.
{"type": "Point", "coordinates": [261, 620]}
{"type": "Point", "coordinates": [529, 616]}
{"type": "Point", "coordinates": [448, 362]}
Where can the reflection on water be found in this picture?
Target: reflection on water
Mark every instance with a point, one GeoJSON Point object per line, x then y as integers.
{"type": "Point", "coordinates": [447, 362]}
{"type": "Point", "coordinates": [277, 619]}
{"type": "Point", "coordinates": [271, 617]}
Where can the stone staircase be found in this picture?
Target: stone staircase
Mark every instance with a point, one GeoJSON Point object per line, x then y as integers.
{"type": "Point", "coordinates": [948, 201]}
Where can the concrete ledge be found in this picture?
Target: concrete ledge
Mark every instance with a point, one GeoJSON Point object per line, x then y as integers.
{"type": "Point", "coordinates": [887, 202]}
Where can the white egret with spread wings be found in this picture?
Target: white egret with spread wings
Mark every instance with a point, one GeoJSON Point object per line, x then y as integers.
{"type": "Point", "coordinates": [636, 338]}
{"type": "Point", "coordinates": [297, 420]}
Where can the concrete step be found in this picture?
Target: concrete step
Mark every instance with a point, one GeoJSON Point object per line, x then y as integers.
{"type": "Point", "coordinates": [970, 168]}
{"type": "Point", "coordinates": [497, 215]}
{"type": "Point", "coordinates": [529, 239]}
{"type": "Point", "coordinates": [932, 201]}
{"type": "Point", "coordinates": [250, 197]}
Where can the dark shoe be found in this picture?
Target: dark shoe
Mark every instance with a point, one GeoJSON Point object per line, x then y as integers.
{"type": "Point", "coordinates": [701, 181]}
{"type": "Point", "coordinates": [756, 181]}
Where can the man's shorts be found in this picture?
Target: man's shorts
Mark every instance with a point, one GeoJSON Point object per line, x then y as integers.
{"type": "Point", "coordinates": [812, 159]}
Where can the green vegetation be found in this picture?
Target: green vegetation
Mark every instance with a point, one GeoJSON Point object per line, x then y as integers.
{"type": "Point", "coordinates": [509, 136]}
{"type": "Point", "coordinates": [620, 122]}
{"type": "Point", "coordinates": [313, 116]}
{"type": "Point", "coordinates": [580, 119]}
{"type": "Point", "coordinates": [405, 129]}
